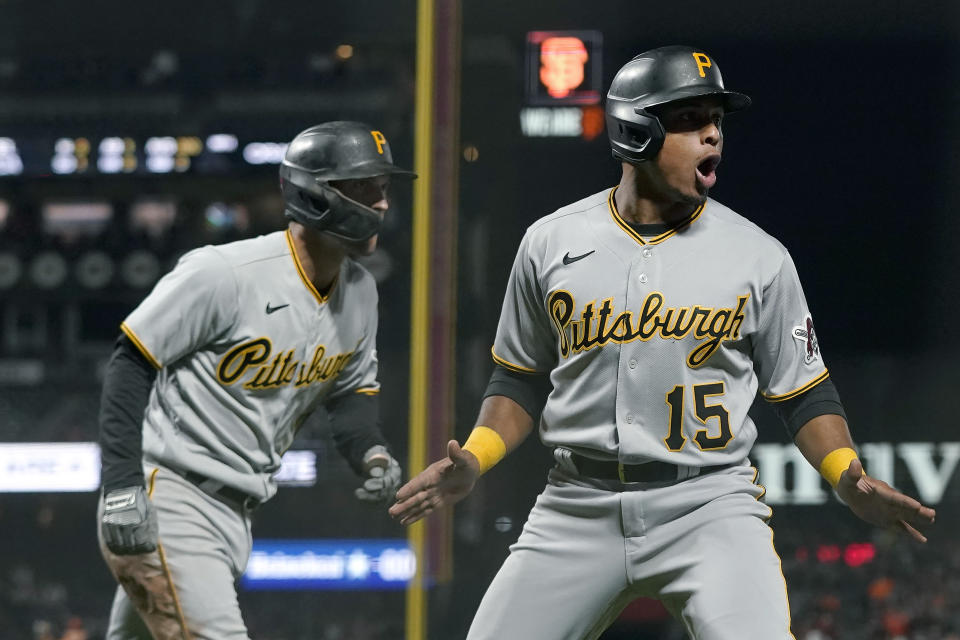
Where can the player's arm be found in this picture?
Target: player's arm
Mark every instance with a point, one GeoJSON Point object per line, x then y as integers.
{"type": "Point", "coordinates": [355, 425]}
{"type": "Point", "coordinates": [128, 525]}
{"type": "Point", "coordinates": [524, 351]}
{"type": "Point", "coordinates": [817, 422]}
{"type": "Point", "coordinates": [126, 388]}
{"type": "Point", "coordinates": [187, 308]}
{"type": "Point", "coordinates": [354, 409]}
{"type": "Point", "coordinates": [506, 418]}
{"type": "Point", "coordinates": [511, 404]}
{"type": "Point", "coordinates": [794, 379]}
{"type": "Point", "coordinates": [826, 444]}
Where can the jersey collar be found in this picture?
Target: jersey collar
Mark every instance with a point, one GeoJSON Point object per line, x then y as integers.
{"type": "Point", "coordinates": [623, 224]}
{"type": "Point", "coordinates": [303, 276]}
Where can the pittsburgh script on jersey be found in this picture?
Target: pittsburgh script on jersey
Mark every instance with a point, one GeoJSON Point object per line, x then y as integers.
{"type": "Point", "coordinates": [282, 369]}
{"type": "Point", "coordinates": [596, 328]}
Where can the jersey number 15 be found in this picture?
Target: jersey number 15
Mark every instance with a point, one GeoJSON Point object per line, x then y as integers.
{"type": "Point", "coordinates": [675, 440]}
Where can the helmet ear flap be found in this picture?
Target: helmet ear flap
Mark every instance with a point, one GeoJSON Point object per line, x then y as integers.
{"type": "Point", "coordinates": [316, 201]}
{"type": "Point", "coordinates": [635, 135]}
{"type": "Point", "coordinates": [325, 208]}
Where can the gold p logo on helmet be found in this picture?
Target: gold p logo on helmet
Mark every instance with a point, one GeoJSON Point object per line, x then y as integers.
{"type": "Point", "coordinates": [703, 62]}
{"type": "Point", "coordinates": [380, 140]}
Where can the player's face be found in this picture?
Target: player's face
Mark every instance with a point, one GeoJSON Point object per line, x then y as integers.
{"type": "Point", "coordinates": [370, 192]}
{"type": "Point", "coordinates": [688, 161]}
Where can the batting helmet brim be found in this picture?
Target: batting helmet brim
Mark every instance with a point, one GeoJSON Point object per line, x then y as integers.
{"type": "Point", "coordinates": [370, 170]}
{"type": "Point", "coordinates": [732, 100]}
{"type": "Point", "coordinates": [356, 171]}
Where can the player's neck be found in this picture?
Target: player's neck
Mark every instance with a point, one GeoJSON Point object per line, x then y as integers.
{"type": "Point", "coordinates": [319, 255]}
{"type": "Point", "coordinates": [641, 206]}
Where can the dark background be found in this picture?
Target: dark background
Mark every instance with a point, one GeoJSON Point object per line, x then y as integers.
{"type": "Point", "coordinates": [847, 156]}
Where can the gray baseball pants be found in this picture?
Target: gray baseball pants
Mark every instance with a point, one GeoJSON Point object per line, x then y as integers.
{"type": "Point", "coordinates": [701, 546]}
{"type": "Point", "coordinates": [186, 589]}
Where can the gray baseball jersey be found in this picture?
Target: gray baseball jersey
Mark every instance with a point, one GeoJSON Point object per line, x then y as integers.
{"type": "Point", "coordinates": [246, 348]}
{"type": "Point", "coordinates": [656, 346]}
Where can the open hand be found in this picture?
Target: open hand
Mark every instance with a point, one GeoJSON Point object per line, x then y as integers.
{"type": "Point", "coordinates": [443, 483]}
{"type": "Point", "coordinates": [880, 504]}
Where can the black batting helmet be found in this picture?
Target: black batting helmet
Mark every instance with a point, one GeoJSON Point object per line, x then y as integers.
{"type": "Point", "coordinates": [340, 150]}
{"type": "Point", "coordinates": [659, 76]}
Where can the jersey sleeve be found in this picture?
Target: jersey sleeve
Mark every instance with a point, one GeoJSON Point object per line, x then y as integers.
{"type": "Point", "coordinates": [787, 356]}
{"type": "Point", "coordinates": [524, 342]}
{"type": "Point", "coordinates": [190, 307]}
{"type": "Point", "coordinates": [360, 373]}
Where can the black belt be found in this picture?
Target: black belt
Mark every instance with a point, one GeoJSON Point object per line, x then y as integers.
{"type": "Point", "coordinates": [239, 500]}
{"type": "Point", "coordinates": [653, 471]}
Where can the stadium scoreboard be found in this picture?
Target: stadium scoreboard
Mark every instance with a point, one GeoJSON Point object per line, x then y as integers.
{"type": "Point", "coordinates": [216, 153]}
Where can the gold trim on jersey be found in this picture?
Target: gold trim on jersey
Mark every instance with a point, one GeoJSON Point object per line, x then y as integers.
{"type": "Point", "coordinates": [786, 595]}
{"type": "Point", "coordinates": [368, 391]}
{"type": "Point", "coordinates": [763, 492]}
{"type": "Point", "coordinates": [165, 567]}
{"type": "Point", "coordinates": [139, 345]}
{"type": "Point", "coordinates": [623, 224]}
{"type": "Point", "coordinates": [509, 365]}
{"type": "Point", "coordinates": [303, 275]}
{"type": "Point", "coordinates": [152, 482]}
{"type": "Point", "coordinates": [793, 394]}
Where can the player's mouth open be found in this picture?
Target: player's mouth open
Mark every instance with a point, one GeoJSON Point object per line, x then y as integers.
{"type": "Point", "coordinates": [707, 171]}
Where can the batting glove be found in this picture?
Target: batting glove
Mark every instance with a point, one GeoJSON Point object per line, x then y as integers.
{"type": "Point", "coordinates": [129, 523]}
{"type": "Point", "coordinates": [382, 475]}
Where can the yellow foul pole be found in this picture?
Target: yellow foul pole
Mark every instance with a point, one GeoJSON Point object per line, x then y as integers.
{"type": "Point", "coordinates": [416, 609]}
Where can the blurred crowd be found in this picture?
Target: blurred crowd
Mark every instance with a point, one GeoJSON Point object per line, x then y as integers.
{"type": "Point", "coordinates": [907, 592]}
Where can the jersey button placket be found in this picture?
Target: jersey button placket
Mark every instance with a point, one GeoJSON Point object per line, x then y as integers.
{"type": "Point", "coordinates": [647, 267]}
{"type": "Point", "coordinates": [629, 419]}
{"type": "Point", "coordinates": [644, 265]}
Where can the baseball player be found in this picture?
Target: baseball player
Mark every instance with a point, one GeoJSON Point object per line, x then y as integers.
{"type": "Point", "coordinates": [217, 369]}
{"type": "Point", "coordinates": [652, 314]}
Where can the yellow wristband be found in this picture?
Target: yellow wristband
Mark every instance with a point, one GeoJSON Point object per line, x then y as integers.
{"type": "Point", "coordinates": [835, 463]}
{"type": "Point", "coordinates": [487, 445]}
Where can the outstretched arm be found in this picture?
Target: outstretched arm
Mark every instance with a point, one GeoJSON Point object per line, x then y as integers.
{"type": "Point", "coordinates": [449, 480]}
{"type": "Point", "coordinates": [825, 438]}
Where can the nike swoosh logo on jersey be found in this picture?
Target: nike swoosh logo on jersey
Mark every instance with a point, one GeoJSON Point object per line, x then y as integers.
{"type": "Point", "coordinates": [277, 308]}
{"type": "Point", "coordinates": [568, 260]}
